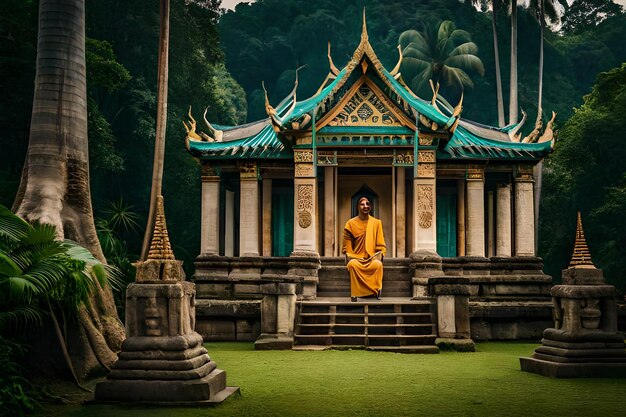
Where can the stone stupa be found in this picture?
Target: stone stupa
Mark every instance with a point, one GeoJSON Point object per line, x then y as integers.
{"type": "Point", "coordinates": [584, 342]}
{"type": "Point", "coordinates": [162, 359]}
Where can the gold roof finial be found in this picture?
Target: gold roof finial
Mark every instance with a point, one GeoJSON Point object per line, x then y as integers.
{"type": "Point", "coordinates": [364, 36]}
{"type": "Point", "coordinates": [581, 258]}
{"type": "Point", "coordinates": [160, 248]}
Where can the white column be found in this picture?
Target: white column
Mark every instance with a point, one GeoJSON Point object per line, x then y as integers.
{"type": "Point", "coordinates": [503, 220]}
{"type": "Point", "coordinates": [401, 211]}
{"type": "Point", "coordinates": [329, 210]}
{"type": "Point", "coordinates": [425, 210]}
{"type": "Point", "coordinates": [210, 212]}
{"type": "Point", "coordinates": [524, 213]}
{"type": "Point", "coordinates": [305, 203]}
{"type": "Point", "coordinates": [491, 250]}
{"type": "Point", "coordinates": [267, 217]}
{"type": "Point", "coordinates": [475, 234]}
{"type": "Point", "coordinates": [248, 210]}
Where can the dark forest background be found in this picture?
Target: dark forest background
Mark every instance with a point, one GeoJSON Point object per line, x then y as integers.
{"type": "Point", "coordinates": [218, 59]}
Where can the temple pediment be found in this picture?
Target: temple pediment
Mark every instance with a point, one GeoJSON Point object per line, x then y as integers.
{"type": "Point", "coordinates": [365, 104]}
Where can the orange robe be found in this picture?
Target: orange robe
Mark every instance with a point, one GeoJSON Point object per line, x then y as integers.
{"type": "Point", "coordinates": [361, 240]}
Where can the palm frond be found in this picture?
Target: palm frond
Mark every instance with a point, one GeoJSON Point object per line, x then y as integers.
{"type": "Point", "coordinates": [21, 317]}
{"type": "Point", "coordinates": [11, 225]}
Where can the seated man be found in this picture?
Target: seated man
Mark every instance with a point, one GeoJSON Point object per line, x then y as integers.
{"type": "Point", "coordinates": [364, 246]}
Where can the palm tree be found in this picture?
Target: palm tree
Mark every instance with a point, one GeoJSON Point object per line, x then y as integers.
{"type": "Point", "coordinates": [159, 145]}
{"type": "Point", "coordinates": [443, 53]}
{"type": "Point", "coordinates": [39, 273]}
{"type": "Point", "coordinates": [55, 179]}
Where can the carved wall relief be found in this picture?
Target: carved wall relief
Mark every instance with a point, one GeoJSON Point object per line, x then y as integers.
{"type": "Point", "coordinates": [425, 141]}
{"type": "Point", "coordinates": [305, 205]}
{"type": "Point", "coordinates": [403, 159]}
{"type": "Point", "coordinates": [303, 156]}
{"type": "Point", "coordinates": [426, 156]}
{"type": "Point", "coordinates": [426, 170]}
{"type": "Point", "coordinates": [304, 170]}
{"type": "Point", "coordinates": [425, 205]}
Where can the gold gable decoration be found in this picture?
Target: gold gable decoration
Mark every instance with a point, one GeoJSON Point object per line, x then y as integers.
{"type": "Point", "coordinates": [365, 108]}
{"type": "Point", "coordinates": [581, 258]}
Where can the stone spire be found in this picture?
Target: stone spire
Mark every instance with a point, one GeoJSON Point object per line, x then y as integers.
{"type": "Point", "coordinates": [581, 258]}
{"type": "Point", "coordinates": [160, 248]}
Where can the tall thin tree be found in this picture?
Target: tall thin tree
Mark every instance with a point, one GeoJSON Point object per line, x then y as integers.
{"type": "Point", "coordinates": [54, 188]}
{"type": "Point", "coordinates": [513, 105]}
{"type": "Point", "coordinates": [159, 145]}
{"type": "Point", "coordinates": [495, 8]}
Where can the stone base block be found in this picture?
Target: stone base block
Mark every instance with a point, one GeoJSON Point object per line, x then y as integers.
{"type": "Point", "coordinates": [573, 370]}
{"type": "Point", "coordinates": [459, 345]}
{"type": "Point", "coordinates": [211, 389]}
{"type": "Point", "coordinates": [273, 342]}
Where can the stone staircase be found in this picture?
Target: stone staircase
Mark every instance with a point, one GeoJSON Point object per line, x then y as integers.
{"type": "Point", "coordinates": [390, 324]}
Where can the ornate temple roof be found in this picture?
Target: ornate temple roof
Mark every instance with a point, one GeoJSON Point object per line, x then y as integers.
{"type": "Point", "coordinates": [396, 110]}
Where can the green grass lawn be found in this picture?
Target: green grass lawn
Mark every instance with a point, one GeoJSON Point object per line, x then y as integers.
{"type": "Point", "coordinates": [361, 383]}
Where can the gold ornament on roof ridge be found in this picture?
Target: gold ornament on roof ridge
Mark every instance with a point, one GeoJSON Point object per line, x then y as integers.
{"type": "Point", "coordinates": [160, 248]}
{"type": "Point", "coordinates": [581, 258]}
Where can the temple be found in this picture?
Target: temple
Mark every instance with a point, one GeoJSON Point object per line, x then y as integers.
{"type": "Point", "coordinates": [455, 198]}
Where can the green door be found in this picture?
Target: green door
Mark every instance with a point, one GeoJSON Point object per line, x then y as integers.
{"type": "Point", "coordinates": [282, 219]}
{"type": "Point", "coordinates": [446, 222]}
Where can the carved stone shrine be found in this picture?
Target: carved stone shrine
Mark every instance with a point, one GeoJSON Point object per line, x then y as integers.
{"type": "Point", "coordinates": [584, 342]}
{"type": "Point", "coordinates": [162, 359]}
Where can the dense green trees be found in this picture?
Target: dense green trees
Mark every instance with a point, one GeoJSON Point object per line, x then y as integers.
{"type": "Point", "coordinates": [587, 173]}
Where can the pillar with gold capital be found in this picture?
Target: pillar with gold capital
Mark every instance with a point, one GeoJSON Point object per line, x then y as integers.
{"type": "Point", "coordinates": [524, 212]}
{"type": "Point", "coordinates": [503, 220]}
{"type": "Point", "coordinates": [305, 202]}
{"type": "Point", "coordinates": [210, 221]}
{"type": "Point", "coordinates": [248, 209]}
{"type": "Point", "coordinates": [425, 212]}
{"type": "Point", "coordinates": [475, 233]}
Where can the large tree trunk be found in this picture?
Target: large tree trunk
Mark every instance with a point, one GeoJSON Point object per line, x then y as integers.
{"type": "Point", "coordinates": [513, 111]}
{"type": "Point", "coordinates": [159, 146]}
{"type": "Point", "coordinates": [496, 53]}
{"type": "Point", "coordinates": [55, 180]}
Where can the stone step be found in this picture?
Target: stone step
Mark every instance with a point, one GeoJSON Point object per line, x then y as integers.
{"type": "Point", "coordinates": [370, 325]}
{"type": "Point", "coordinates": [370, 314]}
{"type": "Point", "coordinates": [427, 349]}
{"type": "Point", "coordinates": [395, 324]}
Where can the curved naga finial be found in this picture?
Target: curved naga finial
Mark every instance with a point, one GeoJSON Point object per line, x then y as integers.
{"type": "Point", "coordinates": [217, 134]}
{"type": "Point", "coordinates": [435, 89]}
{"type": "Point", "coordinates": [395, 72]}
{"type": "Point", "coordinates": [456, 114]}
{"type": "Point", "coordinates": [548, 134]}
{"type": "Point", "coordinates": [276, 120]}
{"type": "Point", "coordinates": [514, 134]}
{"type": "Point", "coordinates": [534, 135]}
{"type": "Point", "coordinates": [190, 127]}
{"type": "Point", "coordinates": [333, 69]}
